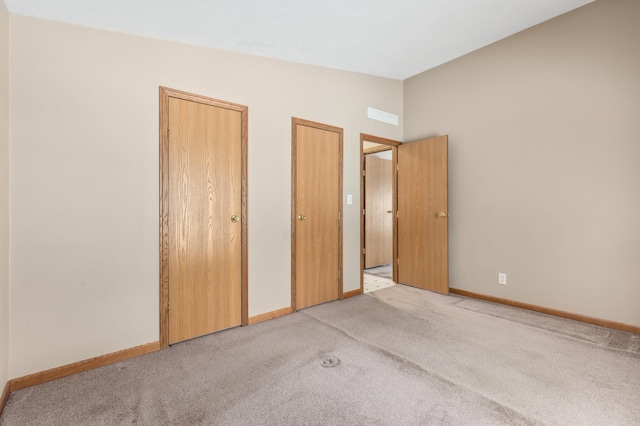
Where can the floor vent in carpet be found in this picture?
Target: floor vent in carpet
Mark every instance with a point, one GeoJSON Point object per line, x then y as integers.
{"type": "Point", "coordinates": [329, 361]}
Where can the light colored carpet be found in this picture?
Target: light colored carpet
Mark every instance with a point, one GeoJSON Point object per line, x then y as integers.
{"type": "Point", "coordinates": [398, 356]}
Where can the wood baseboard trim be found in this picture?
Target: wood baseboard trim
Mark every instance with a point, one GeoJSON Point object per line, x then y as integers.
{"type": "Point", "coordinates": [352, 293]}
{"type": "Point", "coordinates": [80, 366]}
{"type": "Point", "coordinates": [550, 311]}
{"type": "Point", "coordinates": [5, 396]}
{"type": "Point", "coordinates": [270, 315]}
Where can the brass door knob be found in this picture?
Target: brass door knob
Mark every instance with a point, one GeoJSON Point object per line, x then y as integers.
{"type": "Point", "coordinates": [389, 211]}
{"type": "Point", "coordinates": [235, 218]}
{"type": "Point", "coordinates": [442, 214]}
{"type": "Point", "coordinates": [301, 217]}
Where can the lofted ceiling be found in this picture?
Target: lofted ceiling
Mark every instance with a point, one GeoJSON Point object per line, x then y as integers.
{"type": "Point", "coordinates": [388, 38]}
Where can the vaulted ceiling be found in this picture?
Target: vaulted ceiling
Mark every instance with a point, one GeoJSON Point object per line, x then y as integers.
{"type": "Point", "coordinates": [389, 38]}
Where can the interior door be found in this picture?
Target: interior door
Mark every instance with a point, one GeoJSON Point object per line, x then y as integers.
{"type": "Point", "coordinates": [316, 213]}
{"type": "Point", "coordinates": [423, 245]}
{"type": "Point", "coordinates": [204, 218]}
{"type": "Point", "coordinates": [378, 211]}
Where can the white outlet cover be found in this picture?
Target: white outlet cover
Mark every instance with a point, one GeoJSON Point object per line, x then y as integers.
{"type": "Point", "coordinates": [502, 279]}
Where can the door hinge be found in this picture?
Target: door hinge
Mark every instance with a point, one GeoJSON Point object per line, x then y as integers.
{"type": "Point", "coordinates": [364, 173]}
{"type": "Point", "coordinates": [364, 251]}
{"type": "Point", "coordinates": [397, 167]}
{"type": "Point", "coordinates": [364, 211]}
{"type": "Point", "coordinates": [339, 216]}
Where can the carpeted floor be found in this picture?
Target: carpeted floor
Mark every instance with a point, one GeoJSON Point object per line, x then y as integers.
{"type": "Point", "coordinates": [398, 356]}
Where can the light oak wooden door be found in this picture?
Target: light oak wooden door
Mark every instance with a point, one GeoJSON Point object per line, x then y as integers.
{"type": "Point", "coordinates": [316, 213]}
{"type": "Point", "coordinates": [378, 211]}
{"type": "Point", "coordinates": [204, 217]}
{"type": "Point", "coordinates": [423, 245]}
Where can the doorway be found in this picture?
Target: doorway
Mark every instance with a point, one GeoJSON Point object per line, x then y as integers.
{"type": "Point", "coordinates": [378, 207]}
{"type": "Point", "coordinates": [420, 216]}
{"type": "Point", "coordinates": [203, 214]}
{"type": "Point", "coordinates": [316, 213]}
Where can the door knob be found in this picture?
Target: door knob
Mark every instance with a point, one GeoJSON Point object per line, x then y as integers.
{"type": "Point", "coordinates": [301, 217]}
{"type": "Point", "coordinates": [235, 218]}
{"type": "Point", "coordinates": [442, 214]}
{"type": "Point", "coordinates": [389, 211]}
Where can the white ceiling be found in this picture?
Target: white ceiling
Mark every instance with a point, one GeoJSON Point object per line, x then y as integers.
{"type": "Point", "coordinates": [389, 38]}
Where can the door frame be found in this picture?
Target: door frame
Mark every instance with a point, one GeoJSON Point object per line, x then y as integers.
{"type": "Point", "coordinates": [165, 94]}
{"type": "Point", "coordinates": [393, 145]}
{"type": "Point", "coordinates": [294, 136]}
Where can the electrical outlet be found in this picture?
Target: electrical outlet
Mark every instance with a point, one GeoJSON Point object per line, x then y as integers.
{"type": "Point", "coordinates": [502, 278]}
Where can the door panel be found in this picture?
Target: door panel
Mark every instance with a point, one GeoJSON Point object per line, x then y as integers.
{"type": "Point", "coordinates": [422, 214]}
{"type": "Point", "coordinates": [205, 168]}
{"type": "Point", "coordinates": [317, 231]}
{"type": "Point", "coordinates": [378, 211]}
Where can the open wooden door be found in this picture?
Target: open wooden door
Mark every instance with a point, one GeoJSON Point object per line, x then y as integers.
{"type": "Point", "coordinates": [423, 242]}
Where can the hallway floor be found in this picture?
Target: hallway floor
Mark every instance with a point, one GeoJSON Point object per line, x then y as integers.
{"type": "Point", "coordinates": [378, 278]}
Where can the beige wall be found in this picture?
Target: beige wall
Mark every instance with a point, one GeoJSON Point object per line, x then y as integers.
{"type": "Point", "coordinates": [85, 177]}
{"type": "Point", "coordinates": [4, 195]}
{"type": "Point", "coordinates": [544, 161]}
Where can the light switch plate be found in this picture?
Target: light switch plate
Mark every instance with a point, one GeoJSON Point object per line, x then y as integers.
{"type": "Point", "coordinates": [502, 279]}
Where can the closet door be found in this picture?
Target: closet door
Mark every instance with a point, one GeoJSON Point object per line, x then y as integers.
{"type": "Point", "coordinates": [316, 213]}
{"type": "Point", "coordinates": [378, 225]}
{"type": "Point", "coordinates": [205, 219]}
